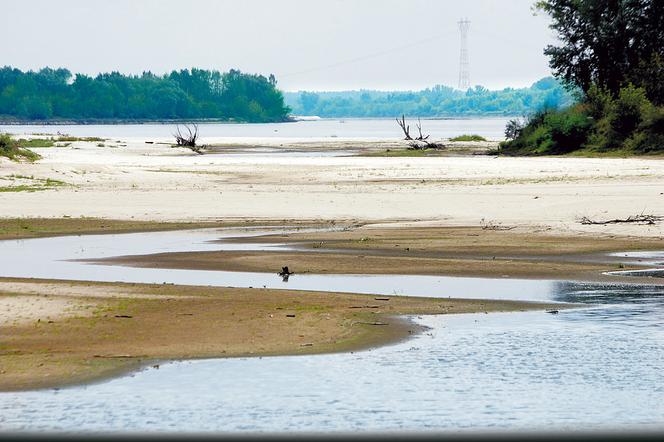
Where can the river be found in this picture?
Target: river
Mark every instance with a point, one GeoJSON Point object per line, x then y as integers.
{"type": "Point", "coordinates": [330, 129]}
{"type": "Point", "coordinates": [593, 368]}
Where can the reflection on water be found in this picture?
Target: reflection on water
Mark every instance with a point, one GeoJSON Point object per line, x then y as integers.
{"type": "Point", "coordinates": [598, 367]}
{"type": "Point", "coordinates": [625, 304]}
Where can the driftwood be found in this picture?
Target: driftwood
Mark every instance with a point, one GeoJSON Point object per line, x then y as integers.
{"type": "Point", "coordinates": [419, 129]}
{"type": "Point", "coordinates": [419, 143]}
{"type": "Point", "coordinates": [490, 225]}
{"type": "Point", "coordinates": [189, 139]}
{"type": "Point", "coordinates": [404, 127]}
{"type": "Point", "coordinates": [637, 219]}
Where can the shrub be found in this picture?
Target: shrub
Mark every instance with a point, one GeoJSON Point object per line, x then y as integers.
{"type": "Point", "coordinates": [568, 129]}
{"type": "Point", "coordinates": [649, 136]}
{"type": "Point", "coordinates": [9, 148]}
{"type": "Point", "coordinates": [551, 132]}
{"type": "Point", "coordinates": [619, 119]}
{"type": "Point", "coordinates": [513, 129]}
{"type": "Point", "coordinates": [628, 110]}
{"type": "Point", "coordinates": [467, 137]}
{"type": "Point", "coordinates": [602, 122]}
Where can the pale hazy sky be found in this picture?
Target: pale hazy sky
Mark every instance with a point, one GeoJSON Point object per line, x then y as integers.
{"type": "Point", "coordinates": [307, 44]}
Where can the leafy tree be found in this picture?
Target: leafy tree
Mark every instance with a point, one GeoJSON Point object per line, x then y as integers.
{"type": "Point", "coordinates": [606, 42]}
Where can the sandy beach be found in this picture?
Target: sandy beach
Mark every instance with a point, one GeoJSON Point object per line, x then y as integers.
{"type": "Point", "coordinates": [132, 180]}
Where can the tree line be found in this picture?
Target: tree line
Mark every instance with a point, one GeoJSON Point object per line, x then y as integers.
{"type": "Point", "coordinates": [437, 101]}
{"type": "Point", "coordinates": [186, 94]}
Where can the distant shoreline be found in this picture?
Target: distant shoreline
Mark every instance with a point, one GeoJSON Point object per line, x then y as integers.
{"type": "Point", "coordinates": [112, 122]}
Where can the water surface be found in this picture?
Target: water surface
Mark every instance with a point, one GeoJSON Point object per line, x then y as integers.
{"type": "Point", "coordinates": [326, 128]}
{"type": "Point", "coordinates": [594, 368]}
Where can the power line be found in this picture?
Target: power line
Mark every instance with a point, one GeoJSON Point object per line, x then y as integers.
{"type": "Point", "coordinates": [363, 58]}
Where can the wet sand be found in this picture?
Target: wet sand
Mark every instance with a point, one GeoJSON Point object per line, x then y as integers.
{"type": "Point", "coordinates": [61, 332]}
{"type": "Point", "coordinates": [451, 251]}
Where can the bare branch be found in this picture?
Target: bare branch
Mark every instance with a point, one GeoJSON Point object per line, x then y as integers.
{"type": "Point", "coordinates": [406, 129]}
{"type": "Point", "coordinates": [188, 140]}
{"type": "Point", "coordinates": [419, 129]}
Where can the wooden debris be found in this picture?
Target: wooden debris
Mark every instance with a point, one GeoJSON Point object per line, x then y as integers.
{"type": "Point", "coordinates": [636, 219]}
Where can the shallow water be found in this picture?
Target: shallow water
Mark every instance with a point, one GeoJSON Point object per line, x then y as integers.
{"type": "Point", "coordinates": [327, 128]}
{"type": "Point", "coordinates": [59, 257]}
{"type": "Point", "coordinates": [593, 368]}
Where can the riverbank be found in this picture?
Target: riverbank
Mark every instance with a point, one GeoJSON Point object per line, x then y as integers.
{"type": "Point", "coordinates": [56, 333]}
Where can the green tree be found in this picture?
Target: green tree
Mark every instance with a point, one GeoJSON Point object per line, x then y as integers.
{"type": "Point", "coordinates": [606, 42]}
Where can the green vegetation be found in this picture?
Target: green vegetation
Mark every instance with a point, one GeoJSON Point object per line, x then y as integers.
{"type": "Point", "coordinates": [196, 94]}
{"type": "Point", "coordinates": [31, 184]}
{"type": "Point", "coordinates": [67, 138]}
{"type": "Point", "coordinates": [468, 137]}
{"type": "Point", "coordinates": [433, 102]}
{"type": "Point", "coordinates": [613, 53]}
{"type": "Point", "coordinates": [11, 149]}
{"type": "Point", "coordinates": [35, 142]}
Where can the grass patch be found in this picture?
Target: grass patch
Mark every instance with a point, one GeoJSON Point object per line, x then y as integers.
{"type": "Point", "coordinates": [32, 185]}
{"type": "Point", "coordinates": [10, 148]}
{"type": "Point", "coordinates": [469, 137]}
{"type": "Point", "coordinates": [72, 139]}
{"type": "Point", "coordinates": [21, 188]}
{"type": "Point", "coordinates": [35, 142]}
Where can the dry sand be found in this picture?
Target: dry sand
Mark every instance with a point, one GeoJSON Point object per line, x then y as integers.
{"type": "Point", "coordinates": [155, 182]}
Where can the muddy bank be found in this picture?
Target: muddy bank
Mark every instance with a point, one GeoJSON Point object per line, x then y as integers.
{"type": "Point", "coordinates": [451, 251]}
{"type": "Point", "coordinates": [106, 329]}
